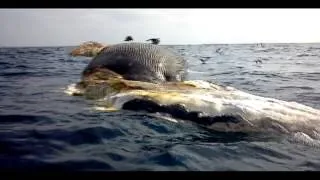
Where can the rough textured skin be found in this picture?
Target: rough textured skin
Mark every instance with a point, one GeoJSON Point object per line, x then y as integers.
{"type": "Point", "coordinates": [140, 62]}
{"type": "Point", "coordinates": [87, 49]}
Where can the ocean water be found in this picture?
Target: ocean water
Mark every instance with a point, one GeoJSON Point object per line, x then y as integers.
{"type": "Point", "coordinates": [43, 128]}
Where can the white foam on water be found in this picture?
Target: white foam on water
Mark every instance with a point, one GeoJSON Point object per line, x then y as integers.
{"type": "Point", "coordinates": [198, 72]}
{"type": "Point", "coordinates": [303, 138]}
{"type": "Point", "coordinates": [164, 117]}
{"type": "Point", "coordinates": [71, 89]}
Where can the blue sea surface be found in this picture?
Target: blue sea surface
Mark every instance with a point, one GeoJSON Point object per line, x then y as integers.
{"type": "Point", "coordinates": [41, 127]}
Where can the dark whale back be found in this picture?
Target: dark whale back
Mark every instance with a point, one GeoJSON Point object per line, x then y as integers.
{"type": "Point", "coordinates": [140, 62]}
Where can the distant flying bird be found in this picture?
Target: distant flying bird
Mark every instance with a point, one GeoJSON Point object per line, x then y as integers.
{"type": "Point", "coordinates": [154, 40]}
{"type": "Point", "coordinates": [219, 51]}
{"type": "Point", "coordinates": [258, 61]}
{"type": "Point", "coordinates": [204, 59]}
{"type": "Point", "coordinates": [129, 38]}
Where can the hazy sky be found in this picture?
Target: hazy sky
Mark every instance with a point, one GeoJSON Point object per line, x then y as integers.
{"type": "Point", "coordinates": [55, 27]}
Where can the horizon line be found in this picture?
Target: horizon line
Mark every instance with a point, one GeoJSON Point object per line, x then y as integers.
{"type": "Point", "coordinates": [185, 44]}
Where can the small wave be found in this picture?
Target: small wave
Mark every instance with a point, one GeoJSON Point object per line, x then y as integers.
{"type": "Point", "coordinates": [8, 74]}
{"type": "Point", "coordinates": [305, 139]}
{"type": "Point", "coordinates": [313, 76]}
{"type": "Point", "coordinates": [197, 72]}
{"type": "Point", "coordinates": [313, 48]}
{"type": "Point", "coordinates": [264, 49]}
{"type": "Point", "coordinates": [20, 66]}
{"type": "Point", "coordinates": [87, 164]}
{"type": "Point", "coordinates": [297, 87]}
{"type": "Point", "coordinates": [5, 64]}
{"type": "Point", "coordinates": [305, 54]}
{"type": "Point", "coordinates": [25, 164]}
{"type": "Point", "coordinates": [222, 73]}
{"type": "Point", "coordinates": [21, 119]}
